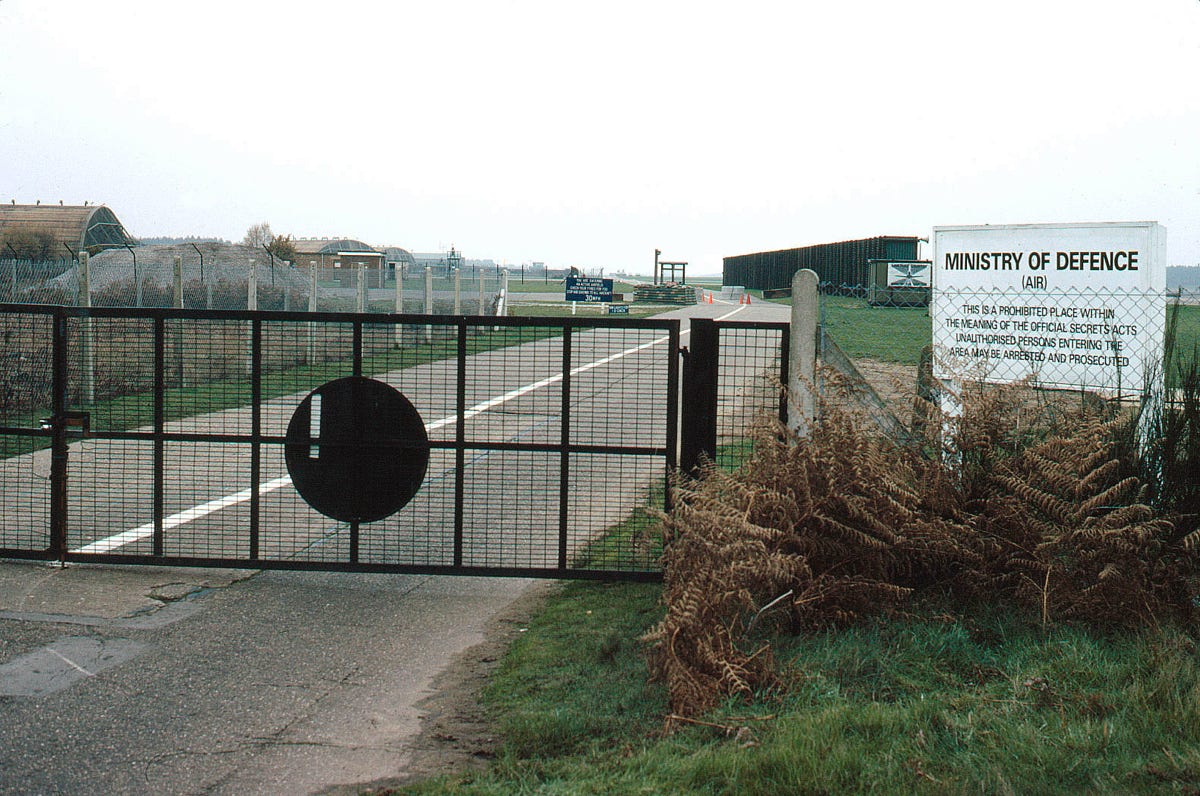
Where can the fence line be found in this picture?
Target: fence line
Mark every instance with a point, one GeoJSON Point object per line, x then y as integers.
{"type": "Point", "coordinates": [133, 283]}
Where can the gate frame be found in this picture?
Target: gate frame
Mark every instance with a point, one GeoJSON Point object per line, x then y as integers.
{"type": "Point", "coordinates": [59, 428]}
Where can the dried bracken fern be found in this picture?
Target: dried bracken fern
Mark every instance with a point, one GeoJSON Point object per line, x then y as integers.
{"type": "Point", "coordinates": [1038, 508]}
{"type": "Point", "coordinates": [1094, 550]}
{"type": "Point", "coordinates": [835, 519]}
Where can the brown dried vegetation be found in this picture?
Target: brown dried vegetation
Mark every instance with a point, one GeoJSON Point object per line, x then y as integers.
{"type": "Point", "coordinates": [1036, 508]}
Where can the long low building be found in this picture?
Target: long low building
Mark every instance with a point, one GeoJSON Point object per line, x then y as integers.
{"type": "Point", "coordinates": [336, 253]}
{"type": "Point", "coordinates": [839, 266]}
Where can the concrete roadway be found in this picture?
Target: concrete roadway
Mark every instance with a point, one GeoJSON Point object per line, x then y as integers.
{"type": "Point", "coordinates": [139, 680]}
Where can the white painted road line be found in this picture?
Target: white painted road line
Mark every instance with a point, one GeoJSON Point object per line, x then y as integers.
{"type": "Point", "coordinates": [110, 543]}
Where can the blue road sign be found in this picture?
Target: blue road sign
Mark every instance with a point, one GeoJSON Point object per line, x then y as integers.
{"type": "Point", "coordinates": [587, 288]}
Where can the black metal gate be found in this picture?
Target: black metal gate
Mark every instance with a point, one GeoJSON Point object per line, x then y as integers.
{"type": "Point", "coordinates": [159, 436]}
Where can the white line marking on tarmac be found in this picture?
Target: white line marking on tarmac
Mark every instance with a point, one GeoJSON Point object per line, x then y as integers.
{"type": "Point", "coordinates": [69, 662]}
{"type": "Point", "coordinates": [110, 543]}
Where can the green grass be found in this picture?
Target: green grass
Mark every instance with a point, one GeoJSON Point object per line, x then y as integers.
{"type": "Point", "coordinates": [884, 333]}
{"type": "Point", "coordinates": [1188, 329]}
{"type": "Point", "coordinates": [634, 545]}
{"type": "Point", "coordinates": [982, 705]}
{"type": "Point", "coordinates": [897, 334]}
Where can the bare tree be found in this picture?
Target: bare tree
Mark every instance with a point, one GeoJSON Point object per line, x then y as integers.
{"type": "Point", "coordinates": [258, 235]}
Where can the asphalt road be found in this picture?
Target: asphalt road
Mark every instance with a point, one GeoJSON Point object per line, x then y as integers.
{"type": "Point", "coordinates": [272, 682]}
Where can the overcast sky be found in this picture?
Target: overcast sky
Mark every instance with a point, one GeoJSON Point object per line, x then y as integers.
{"type": "Point", "coordinates": [591, 134]}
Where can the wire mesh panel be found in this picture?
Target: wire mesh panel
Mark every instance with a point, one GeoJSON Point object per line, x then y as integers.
{"type": "Point", "coordinates": [25, 509]}
{"type": "Point", "coordinates": [111, 507]}
{"type": "Point", "coordinates": [752, 372]}
{"type": "Point", "coordinates": [163, 436]}
{"type": "Point", "coordinates": [26, 383]}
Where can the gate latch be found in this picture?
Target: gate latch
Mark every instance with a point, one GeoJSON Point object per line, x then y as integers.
{"type": "Point", "coordinates": [75, 424]}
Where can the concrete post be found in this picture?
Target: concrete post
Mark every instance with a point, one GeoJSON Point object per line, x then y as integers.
{"type": "Point", "coordinates": [251, 304]}
{"type": "Point", "coordinates": [252, 287]}
{"type": "Point", "coordinates": [312, 307]}
{"type": "Point", "coordinates": [178, 283]}
{"type": "Point", "coordinates": [458, 291]}
{"type": "Point", "coordinates": [312, 288]}
{"type": "Point", "coordinates": [480, 273]}
{"type": "Point", "coordinates": [398, 329]}
{"type": "Point", "coordinates": [501, 297]}
{"type": "Point", "coordinates": [360, 275]}
{"type": "Point", "coordinates": [802, 367]}
{"type": "Point", "coordinates": [428, 302]}
{"type": "Point", "coordinates": [84, 297]}
{"type": "Point", "coordinates": [88, 343]}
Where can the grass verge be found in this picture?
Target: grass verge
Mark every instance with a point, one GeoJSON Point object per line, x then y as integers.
{"type": "Point", "coordinates": [920, 706]}
{"type": "Point", "coordinates": [895, 334]}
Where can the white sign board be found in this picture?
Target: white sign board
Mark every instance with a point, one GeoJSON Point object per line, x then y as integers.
{"type": "Point", "coordinates": [1073, 305]}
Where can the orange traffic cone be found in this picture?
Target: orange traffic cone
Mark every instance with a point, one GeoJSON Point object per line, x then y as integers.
{"type": "Point", "coordinates": [747, 298]}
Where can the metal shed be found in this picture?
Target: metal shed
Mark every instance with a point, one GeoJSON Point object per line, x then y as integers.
{"type": "Point", "coordinates": [841, 266]}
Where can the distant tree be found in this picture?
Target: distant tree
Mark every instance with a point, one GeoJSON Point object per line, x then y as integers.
{"type": "Point", "coordinates": [30, 243]}
{"type": "Point", "coordinates": [258, 235]}
{"type": "Point", "coordinates": [283, 248]}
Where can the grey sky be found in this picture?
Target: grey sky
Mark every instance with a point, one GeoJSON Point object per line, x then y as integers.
{"type": "Point", "coordinates": [590, 134]}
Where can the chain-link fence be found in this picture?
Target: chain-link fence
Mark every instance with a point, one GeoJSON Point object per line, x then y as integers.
{"type": "Point", "coordinates": [898, 344]}
{"type": "Point", "coordinates": [225, 277]}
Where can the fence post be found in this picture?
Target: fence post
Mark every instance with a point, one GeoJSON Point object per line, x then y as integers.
{"type": "Point", "coordinates": [398, 329]}
{"type": "Point", "coordinates": [178, 281]}
{"type": "Point", "coordinates": [698, 419]}
{"type": "Point", "coordinates": [251, 304]}
{"type": "Point", "coordinates": [252, 286]}
{"type": "Point", "coordinates": [88, 338]}
{"type": "Point", "coordinates": [177, 338]}
{"type": "Point", "coordinates": [480, 273]}
{"type": "Point", "coordinates": [802, 367]}
{"type": "Point", "coordinates": [502, 307]}
{"type": "Point", "coordinates": [428, 302]}
{"type": "Point", "coordinates": [458, 291]}
{"type": "Point", "coordinates": [360, 276]}
{"type": "Point", "coordinates": [312, 307]}
{"type": "Point", "coordinates": [312, 288]}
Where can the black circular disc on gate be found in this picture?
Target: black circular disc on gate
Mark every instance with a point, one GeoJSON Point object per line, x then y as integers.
{"type": "Point", "coordinates": [356, 449]}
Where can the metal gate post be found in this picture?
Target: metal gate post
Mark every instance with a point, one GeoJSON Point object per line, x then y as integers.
{"type": "Point", "coordinates": [58, 442]}
{"type": "Point", "coordinates": [698, 432]}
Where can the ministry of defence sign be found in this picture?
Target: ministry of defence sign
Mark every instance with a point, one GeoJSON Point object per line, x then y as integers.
{"type": "Point", "coordinates": [1073, 305]}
